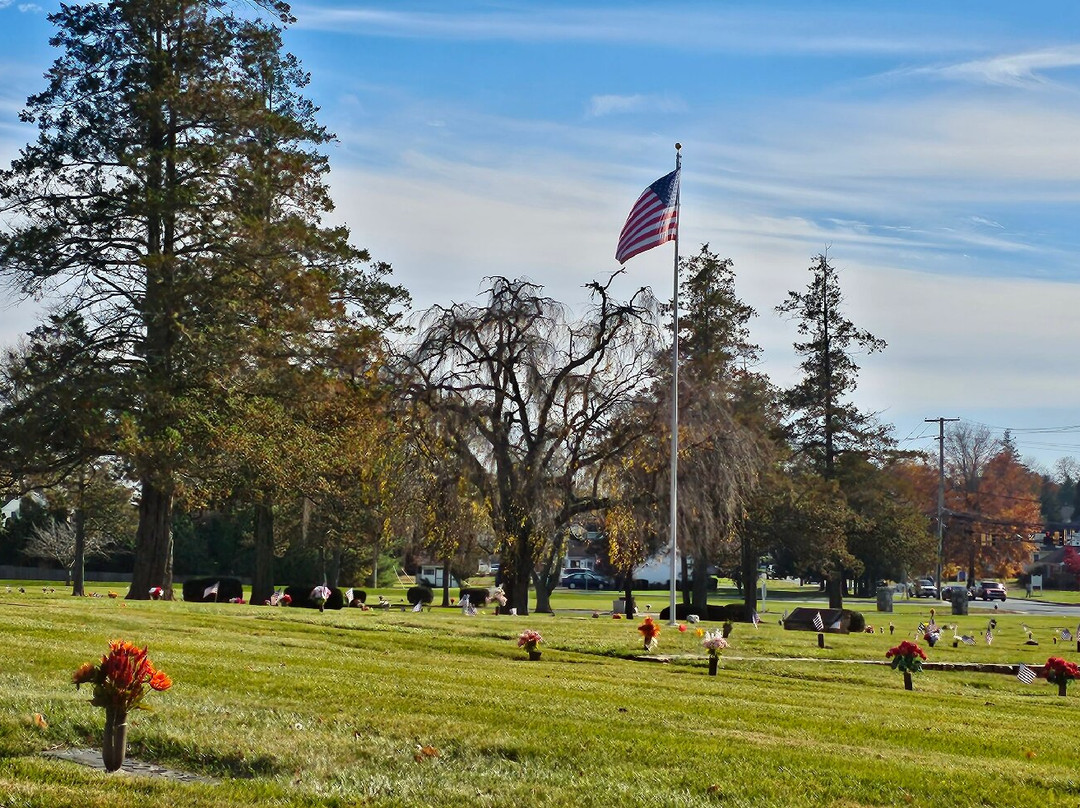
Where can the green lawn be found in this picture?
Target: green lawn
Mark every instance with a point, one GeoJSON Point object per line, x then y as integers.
{"type": "Point", "coordinates": [290, 707]}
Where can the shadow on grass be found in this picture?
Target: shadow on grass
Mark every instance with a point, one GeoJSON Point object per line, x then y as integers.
{"type": "Point", "coordinates": [229, 764]}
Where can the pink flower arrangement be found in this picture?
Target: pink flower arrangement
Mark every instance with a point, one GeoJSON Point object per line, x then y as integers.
{"type": "Point", "coordinates": [714, 642]}
{"type": "Point", "coordinates": [529, 639]}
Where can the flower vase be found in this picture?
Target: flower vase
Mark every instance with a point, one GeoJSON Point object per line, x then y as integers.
{"type": "Point", "coordinates": [714, 662]}
{"type": "Point", "coordinates": [907, 680]}
{"type": "Point", "coordinates": [1063, 685]}
{"type": "Point", "coordinates": [114, 742]}
{"type": "Point", "coordinates": [534, 654]}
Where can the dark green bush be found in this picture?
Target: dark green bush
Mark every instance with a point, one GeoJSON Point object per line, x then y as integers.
{"type": "Point", "coordinates": [228, 588]}
{"type": "Point", "coordinates": [420, 594]}
{"type": "Point", "coordinates": [478, 596]}
{"type": "Point", "coordinates": [301, 597]}
{"type": "Point", "coordinates": [856, 621]}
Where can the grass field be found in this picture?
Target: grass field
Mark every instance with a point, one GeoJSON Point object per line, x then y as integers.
{"type": "Point", "coordinates": [293, 707]}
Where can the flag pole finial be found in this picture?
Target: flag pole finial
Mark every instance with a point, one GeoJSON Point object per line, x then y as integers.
{"type": "Point", "coordinates": [678, 147]}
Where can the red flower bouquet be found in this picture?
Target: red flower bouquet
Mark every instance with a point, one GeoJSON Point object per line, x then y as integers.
{"type": "Point", "coordinates": [907, 657]}
{"type": "Point", "coordinates": [1060, 672]}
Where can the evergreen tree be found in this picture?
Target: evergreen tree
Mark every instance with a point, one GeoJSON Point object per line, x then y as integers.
{"type": "Point", "coordinates": [823, 425]}
{"type": "Point", "coordinates": [175, 192]}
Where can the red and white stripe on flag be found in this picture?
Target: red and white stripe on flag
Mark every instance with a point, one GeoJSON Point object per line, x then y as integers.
{"type": "Point", "coordinates": [654, 219]}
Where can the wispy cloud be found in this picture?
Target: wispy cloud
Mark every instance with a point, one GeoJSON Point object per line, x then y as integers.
{"type": "Point", "coordinates": [25, 8]}
{"type": "Point", "coordinates": [687, 26]}
{"type": "Point", "coordinates": [601, 105]}
{"type": "Point", "coordinates": [1013, 70]}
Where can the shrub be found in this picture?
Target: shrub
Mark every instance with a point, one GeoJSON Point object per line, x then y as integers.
{"type": "Point", "coordinates": [420, 594]}
{"type": "Point", "coordinates": [856, 621]}
{"type": "Point", "coordinates": [301, 596]}
{"type": "Point", "coordinates": [228, 588]}
{"type": "Point", "coordinates": [478, 596]}
{"type": "Point", "coordinates": [716, 613]}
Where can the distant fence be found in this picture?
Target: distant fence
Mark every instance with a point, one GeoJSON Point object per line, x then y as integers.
{"type": "Point", "coordinates": [9, 573]}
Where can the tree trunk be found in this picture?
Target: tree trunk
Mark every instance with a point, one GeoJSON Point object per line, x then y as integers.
{"type": "Point", "coordinates": [543, 600]}
{"type": "Point", "coordinates": [333, 575]}
{"type": "Point", "coordinates": [748, 563]}
{"type": "Point", "coordinates": [446, 584]}
{"type": "Point", "coordinates": [262, 583]}
{"type": "Point", "coordinates": [835, 588]}
{"type": "Point", "coordinates": [77, 570]}
{"type": "Point", "coordinates": [516, 578]}
{"type": "Point", "coordinates": [700, 586]}
{"type": "Point", "coordinates": [153, 543]}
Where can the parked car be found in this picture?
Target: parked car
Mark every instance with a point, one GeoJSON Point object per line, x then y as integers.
{"type": "Point", "coordinates": [924, 588]}
{"type": "Point", "coordinates": [585, 579]}
{"type": "Point", "coordinates": [990, 590]}
{"type": "Point", "coordinates": [947, 592]}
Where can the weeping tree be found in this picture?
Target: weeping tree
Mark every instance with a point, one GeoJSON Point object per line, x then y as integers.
{"type": "Point", "coordinates": [532, 403]}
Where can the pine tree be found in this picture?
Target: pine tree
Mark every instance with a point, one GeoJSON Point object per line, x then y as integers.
{"type": "Point", "coordinates": [174, 194]}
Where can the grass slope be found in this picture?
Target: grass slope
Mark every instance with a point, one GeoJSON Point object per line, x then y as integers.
{"type": "Point", "coordinates": [290, 707]}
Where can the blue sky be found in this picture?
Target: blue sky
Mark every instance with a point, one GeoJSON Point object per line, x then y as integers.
{"type": "Point", "coordinates": [932, 149]}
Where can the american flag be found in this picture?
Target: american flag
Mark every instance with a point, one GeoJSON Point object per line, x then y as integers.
{"type": "Point", "coordinates": [1025, 674]}
{"type": "Point", "coordinates": [211, 590]}
{"type": "Point", "coordinates": [819, 624]}
{"type": "Point", "coordinates": [967, 639]}
{"type": "Point", "coordinates": [756, 619]}
{"type": "Point", "coordinates": [654, 219]}
{"type": "Point", "coordinates": [989, 636]}
{"type": "Point", "coordinates": [1066, 635]}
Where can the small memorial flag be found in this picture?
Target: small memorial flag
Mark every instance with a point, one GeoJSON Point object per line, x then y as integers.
{"type": "Point", "coordinates": [1025, 674]}
{"type": "Point", "coordinates": [967, 639]}
{"type": "Point", "coordinates": [349, 597]}
{"type": "Point", "coordinates": [419, 607]}
{"type": "Point", "coordinates": [989, 636]}
{"type": "Point", "coordinates": [211, 590]}
{"type": "Point", "coordinates": [819, 624]}
{"type": "Point", "coordinates": [1066, 635]}
{"type": "Point", "coordinates": [756, 619]}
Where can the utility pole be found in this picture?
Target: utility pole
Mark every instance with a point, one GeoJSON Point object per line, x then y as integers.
{"type": "Point", "coordinates": [940, 494]}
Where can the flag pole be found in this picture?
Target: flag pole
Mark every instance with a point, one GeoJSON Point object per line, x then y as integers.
{"type": "Point", "coordinates": [673, 516]}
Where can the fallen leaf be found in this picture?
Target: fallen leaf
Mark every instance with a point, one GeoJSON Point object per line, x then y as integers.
{"type": "Point", "coordinates": [39, 719]}
{"type": "Point", "coordinates": [425, 752]}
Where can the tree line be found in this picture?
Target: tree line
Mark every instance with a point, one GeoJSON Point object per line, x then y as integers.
{"type": "Point", "coordinates": [219, 363]}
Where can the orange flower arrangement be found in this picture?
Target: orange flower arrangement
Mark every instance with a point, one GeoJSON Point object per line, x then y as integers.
{"type": "Point", "coordinates": [649, 632]}
{"type": "Point", "coordinates": [121, 678]}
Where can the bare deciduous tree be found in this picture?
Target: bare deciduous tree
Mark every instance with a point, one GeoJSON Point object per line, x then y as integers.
{"type": "Point", "coordinates": [532, 404]}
